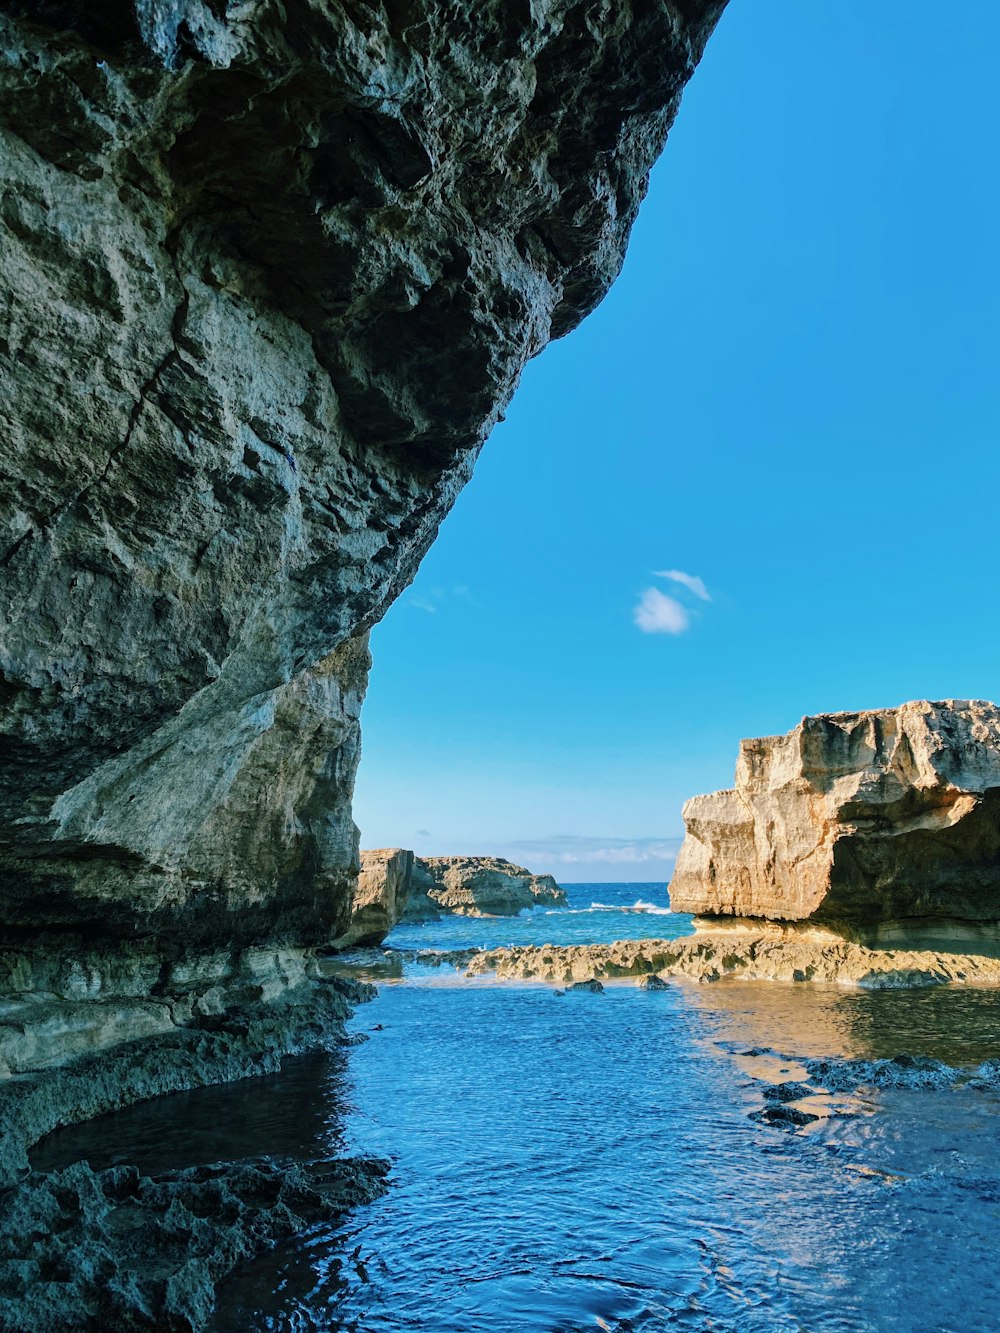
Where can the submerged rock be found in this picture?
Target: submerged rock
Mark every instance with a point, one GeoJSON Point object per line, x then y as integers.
{"type": "Point", "coordinates": [777, 1113]}
{"type": "Point", "coordinates": [592, 985]}
{"type": "Point", "coordinates": [858, 819]}
{"type": "Point", "coordinates": [653, 982]}
{"type": "Point", "coordinates": [477, 886]}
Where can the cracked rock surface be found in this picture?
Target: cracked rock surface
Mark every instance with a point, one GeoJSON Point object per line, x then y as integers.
{"type": "Point", "coordinates": [268, 276]}
{"type": "Point", "coordinates": [114, 1249]}
{"type": "Point", "coordinates": [884, 821]}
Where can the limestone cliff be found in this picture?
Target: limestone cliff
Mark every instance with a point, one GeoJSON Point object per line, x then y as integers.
{"type": "Point", "coordinates": [269, 273]}
{"type": "Point", "coordinates": [854, 818]}
{"type": "Point", "coordinates": [394, 885]}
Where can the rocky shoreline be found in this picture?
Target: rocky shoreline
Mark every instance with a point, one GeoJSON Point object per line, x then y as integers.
{"type": "Point", "coordinates": [114, 1249]}
{"type": "Point", "coordinates": [756, 952]}
{"type": "Point", "coordinates": [118, 1249]}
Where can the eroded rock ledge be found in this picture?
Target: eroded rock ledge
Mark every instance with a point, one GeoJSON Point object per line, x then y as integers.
{"type": "Point", "coordinates": [752, 951]}
{"type": "Point", "coordinates": [881, 823]}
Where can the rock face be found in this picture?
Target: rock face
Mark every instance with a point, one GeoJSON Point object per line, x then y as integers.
{"type": "Point", "coordinates": [477, 886]}
{"type": "Point", "coordinates": [269, 273]}
{"type": "Point", "coordinates": [380, 897]}
{"type": "Point", "coordinates": [857, 819]}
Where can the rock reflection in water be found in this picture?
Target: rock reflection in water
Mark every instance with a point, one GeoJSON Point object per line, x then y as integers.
{"type": "Point", "coordinates": [296, 1113]}
{"type": "Point", "coordinates": [959, 1025]}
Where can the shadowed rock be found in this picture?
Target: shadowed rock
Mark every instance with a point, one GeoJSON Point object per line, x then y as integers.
{"type": "Point", "coordinates": [113, 1249]}
{"type": "Point", "coordinates": [268, 277]}
{"type": "Point", "coordinates": [653, 982]}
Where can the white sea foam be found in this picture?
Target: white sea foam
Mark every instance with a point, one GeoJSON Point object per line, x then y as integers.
{"type": "Point", "coordinates": [639, 906]}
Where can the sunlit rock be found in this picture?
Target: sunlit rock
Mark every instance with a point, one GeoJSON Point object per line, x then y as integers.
{"type": "Point", "coordinates": [380, 896]}
{"type": "Point", "coordinates": [867, 819]}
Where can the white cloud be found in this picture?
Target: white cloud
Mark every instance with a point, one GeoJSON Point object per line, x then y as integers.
{"type": "Point", "coordinates": [690, 581]}
{"type": "Point", "coordinates": [432, 599]}
{"type": "Point", "coordinates": [659, 614]}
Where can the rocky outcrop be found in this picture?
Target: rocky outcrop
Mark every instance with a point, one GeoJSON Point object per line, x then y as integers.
{"type": "Point", "coordinates": [860, 820]}
{"type": "Point", "coordinates": [268, 276]}
{"type": "Point", "coordinates": [477, 886]}
{"type": "Point", "coordinates": [761, 952]}
{"type": "Point", "coordinates": [380, 897]}
{"type": "Point", "coordinates": [113, 1249]}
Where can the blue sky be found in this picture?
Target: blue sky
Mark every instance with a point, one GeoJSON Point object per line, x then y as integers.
{"type": "Point", "coordinates": [791, 395]}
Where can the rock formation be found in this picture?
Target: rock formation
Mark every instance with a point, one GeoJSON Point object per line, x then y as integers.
{"type": "Point", "coordinates": [861, 820]}
{"type": "Point", "coordinates": [394, 885]}
{"type": "Point", "coordinates": [380, 897]}
{"type": "Point", "coordinates": [767, 951]}
{"type": "Point", "coordinates": [268, 276]}
{"type": "Point", "coordinates": [477, 886]}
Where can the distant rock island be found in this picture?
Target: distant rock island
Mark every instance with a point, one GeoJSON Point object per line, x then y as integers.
{"type": "Point", "coordinates": [395, 885]}
{"type": "Point", "coordinates": [855, 820]}
{"type": "Point", "coordinates": [477, 886]}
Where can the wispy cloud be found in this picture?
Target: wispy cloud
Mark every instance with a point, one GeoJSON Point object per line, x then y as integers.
{"type": "Point", "coordinates": [659, 614]}
{"type": "Point", "coordinates": [567, 849]}
{"type": "Point", "coordinates": [690, 581]}
{"type": "Point", "coordinates": [430, 600]}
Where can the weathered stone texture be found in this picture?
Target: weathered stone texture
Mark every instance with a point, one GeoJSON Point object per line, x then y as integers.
{"type": "Point", "coordinates": [379, 898]}
{"type": "Point", "coordinates": [268, 276]}
{"type": "Point", "coordinates": [854, 818]}
{"type": "Point", "coordinates": [477, 886]}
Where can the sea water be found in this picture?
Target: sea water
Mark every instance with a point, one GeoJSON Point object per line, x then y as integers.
{"type": "Point", "coordinates": [594, 1161]}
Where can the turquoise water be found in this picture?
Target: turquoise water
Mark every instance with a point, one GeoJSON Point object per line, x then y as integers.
{"type": "Point", "coordinates": [594, 1161]}
{"type": "Point", "coordinates": [594, 914]}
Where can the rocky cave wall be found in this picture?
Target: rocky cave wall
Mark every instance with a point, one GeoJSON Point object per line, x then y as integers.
{"type": "Point", "coordinates": [268, 275]}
